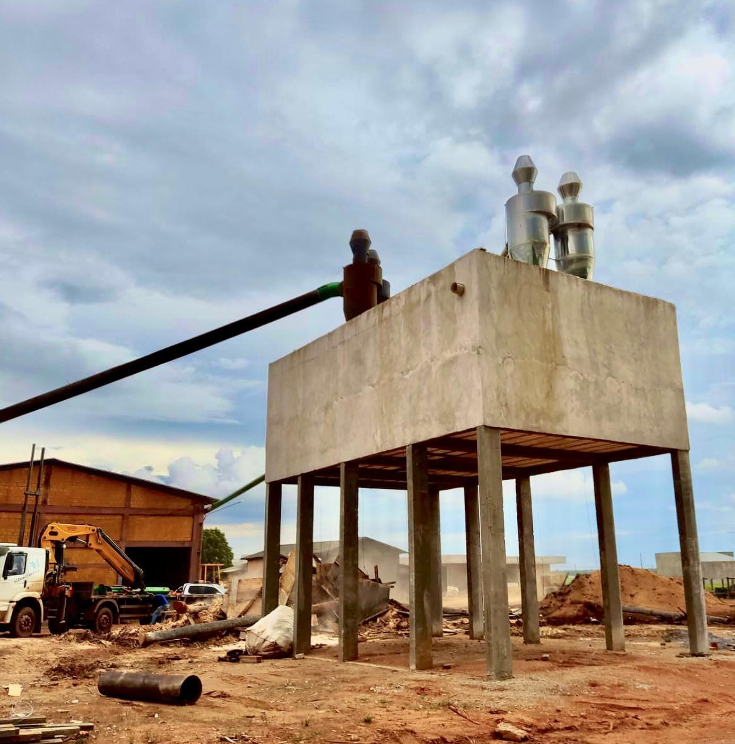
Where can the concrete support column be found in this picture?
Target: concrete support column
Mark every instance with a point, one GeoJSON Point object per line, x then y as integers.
{"type": "Point", "coordinates": [474, 560]}
{"type": "Point", "coordinates": [527, 561]}
{"type": "Point", "coordinates": [419, 575]}
{"type": "Point", "coordinates": [304, 557]}
{"type": "Point", "coordinates": [498, 650]}
{"type": "Point", "coordinates": [272, 547]}
{"type": "Point", "coordinates": [611, 600]}
{"type": "Point", "coordinates": [348, 561]}
{"type": "Point", "coordinates": [690, 563]}
{"type": "Point", "coordinates": [435, 540]}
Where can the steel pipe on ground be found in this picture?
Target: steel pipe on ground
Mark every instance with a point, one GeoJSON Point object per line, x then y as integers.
{"type": "Point", "coordinates": [156, 688]}
{"type": "Point", "coordinates": [200, 630]}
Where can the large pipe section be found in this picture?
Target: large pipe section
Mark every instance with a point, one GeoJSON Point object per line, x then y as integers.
{"type": "Point", "coordinates": [531, 217]}
{"type": "Point", "coordinates": [178, 689]}
{"type": "Point", "coordinates": [171, 353]}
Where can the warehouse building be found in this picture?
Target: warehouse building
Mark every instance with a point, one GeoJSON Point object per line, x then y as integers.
{"type": "Point", "coordinates": [158, 526]}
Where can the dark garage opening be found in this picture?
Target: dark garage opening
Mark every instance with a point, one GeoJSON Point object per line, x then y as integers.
{"type": "Point", "coordinates": [162, 566]}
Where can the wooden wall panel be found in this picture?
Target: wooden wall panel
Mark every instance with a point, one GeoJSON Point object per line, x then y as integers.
{"type": "Point", "coordinates": [75, 488]}
{"type": "Point", "coordinates": [78, 556]}
{"type": "Point", "coordinates": [9, 525]}
{"type": "Point", "coordinates": [160, 529]}
{"type": "Point", "coordinates": [13, 484]}
{"type": "Point", "coordinates": [99, 574]}
{"type": "Point", "coordinates": [143, 498]}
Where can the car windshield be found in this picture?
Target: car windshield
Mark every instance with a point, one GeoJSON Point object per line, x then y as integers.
{"type": "Point", "coordinates": [202, 590]}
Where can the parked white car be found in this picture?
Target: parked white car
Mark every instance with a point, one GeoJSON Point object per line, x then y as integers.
{"type": "Point", "coordinates": [200, 591]}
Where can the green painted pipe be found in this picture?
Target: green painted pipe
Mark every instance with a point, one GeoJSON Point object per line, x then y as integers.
{"type": "Point", "coordinates": [237, 493]}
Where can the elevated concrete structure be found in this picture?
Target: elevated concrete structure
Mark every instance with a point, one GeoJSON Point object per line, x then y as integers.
{"type": "Point", "coordinates": [523, 349]}
{"type": "Point", "coordinates": [489, 369]}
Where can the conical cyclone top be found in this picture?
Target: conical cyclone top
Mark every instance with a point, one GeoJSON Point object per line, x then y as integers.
{"type": "Point", "coordinates": [569, 186]}
{"type": "Point", "coordinates": [524, 172]}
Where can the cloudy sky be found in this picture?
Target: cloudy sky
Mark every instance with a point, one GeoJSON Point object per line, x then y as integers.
{"type": "Point", "coordinates": [167, 167]}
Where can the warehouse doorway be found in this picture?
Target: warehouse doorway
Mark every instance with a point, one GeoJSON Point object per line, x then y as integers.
{"type": "Point", "coordinates": [163, 566]}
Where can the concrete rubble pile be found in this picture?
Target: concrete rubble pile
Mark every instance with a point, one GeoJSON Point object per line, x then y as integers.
{"type": "Point", "coordinates": [372, 593]}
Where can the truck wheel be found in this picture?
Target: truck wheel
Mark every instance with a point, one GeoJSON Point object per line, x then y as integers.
{"type": "Point", "coordinates": [23, 623]}
{"type": "Point", "coordinates": [103, 620]}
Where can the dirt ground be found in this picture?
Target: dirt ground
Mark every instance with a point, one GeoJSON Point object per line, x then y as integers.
{"type": "Point", "coordinates": [578, 693]}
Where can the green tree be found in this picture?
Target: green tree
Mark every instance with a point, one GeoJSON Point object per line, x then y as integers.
{"type": "Point", "coordinates": [215, 548]}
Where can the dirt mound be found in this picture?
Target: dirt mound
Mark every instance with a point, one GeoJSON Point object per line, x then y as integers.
{"type": "Point", "coordinates": [581, 600]}
{"type": "Point", "coordinates": [73, 667]}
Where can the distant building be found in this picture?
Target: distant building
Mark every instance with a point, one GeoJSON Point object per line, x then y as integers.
{"type": "Point", "coordinates": [714, 565]}
{"type": "Point", "coordinates": [454, 574]}
{"type": "Point", "coordinates": [371, 553]}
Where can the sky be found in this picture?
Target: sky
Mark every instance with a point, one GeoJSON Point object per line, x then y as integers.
{"type": "Point", "coordinates": [168, 167]}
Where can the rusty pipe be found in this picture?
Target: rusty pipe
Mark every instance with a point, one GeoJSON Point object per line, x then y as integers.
{"type": "Point", "coordinates": [178, 689]}
{"type": "Point", "coordinates": [201, 629]}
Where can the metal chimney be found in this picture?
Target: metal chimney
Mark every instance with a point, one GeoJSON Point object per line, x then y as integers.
{"type": "Point", "coordinates": [529, 216]}
{"type": "Point", "coordinates": [574, 230]}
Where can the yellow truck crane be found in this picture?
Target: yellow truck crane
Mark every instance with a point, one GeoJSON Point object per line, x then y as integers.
{"type": "Point", "coordinates": [34, 587]}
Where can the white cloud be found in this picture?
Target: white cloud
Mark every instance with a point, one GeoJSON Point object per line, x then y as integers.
{"type": "Point", "coordinates": [703, 413]}
{"type": "Point", "coordinates": [568, 485]}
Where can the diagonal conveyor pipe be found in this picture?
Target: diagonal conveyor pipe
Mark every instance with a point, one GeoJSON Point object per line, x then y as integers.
{"type": "Point", "coordinates": [170, 353]}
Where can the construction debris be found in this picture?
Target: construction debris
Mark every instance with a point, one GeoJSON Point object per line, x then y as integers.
{"type": "Point", "coordinates": [581, 600]}
{"type": "Point", "coordinates": [509, 732]}
{"type": "Point", "coordinates": [37, 729]}
{"type": "Point", "coordinates": [236, 655]}
{"type": "Point", "coordinates": [392, 621]}
{"type": "Point", "coordinates": [272, 635]}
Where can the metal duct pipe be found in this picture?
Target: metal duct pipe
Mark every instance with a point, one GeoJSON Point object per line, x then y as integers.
{"type": "Point", "coordinates": [199, 630]}
{"type": "Point", "coordinates": [529, 217]}
{"type": "Point", "coordinates": [178, 689]}
{"type": "Point", "coordinates": [574, 230]}
{"type": "Point", "coordinates": [171, 353]}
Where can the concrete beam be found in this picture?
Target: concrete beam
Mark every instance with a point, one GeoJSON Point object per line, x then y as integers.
{"type": "Point", "coordinates": [419, 575]}
{"type": "Point", "coordinates": [527, 562]}
{"type": "Point", "coordinates": [474, 560]}
{"type": "Point", "coordinates": [348, 562]}
{"type": "Point", "coordinates": [498, 649]}
{"type": "Point", "coordinates": [272, 546]}
{"type": "Point", "coordinates": [690, 563]}
{"type": "Point", "coordinates": [435, 544]}
{"type": "Point", "coordinates": [611, 600]}
{"type": "Point", "coordinates": [304, 558]}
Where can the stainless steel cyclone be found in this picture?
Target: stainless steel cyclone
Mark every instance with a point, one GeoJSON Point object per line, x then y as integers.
{"type": "Point", "coordinates": [529, 217]}
{"type": "Point", "coordinates": [574, 230]}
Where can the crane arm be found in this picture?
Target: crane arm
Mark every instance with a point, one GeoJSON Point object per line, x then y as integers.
{"type": "Point", "coordinates": [92, 537]}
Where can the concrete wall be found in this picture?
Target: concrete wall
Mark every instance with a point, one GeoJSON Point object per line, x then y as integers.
{"type": "Point", "coordinates": [669, 564]}
{"type": "Point", "coordinates": [523, 348]}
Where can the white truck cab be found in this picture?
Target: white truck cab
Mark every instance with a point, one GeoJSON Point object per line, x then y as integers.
{"type": "Point", "coordinates": [22, 575]}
